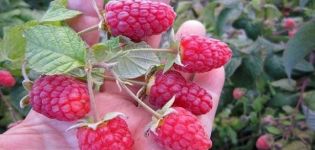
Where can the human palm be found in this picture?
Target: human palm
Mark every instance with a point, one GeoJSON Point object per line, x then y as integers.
{"type": "Point", "coordinates": [37, 132]}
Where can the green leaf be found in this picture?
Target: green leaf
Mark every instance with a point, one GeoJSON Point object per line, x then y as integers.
{"type": "Point", "coordinates": [299, 46]}
{"type": "Point", "coordinates": [13, 43]}
{"type": "Point", "coordinates": [288, 109]}
{"type": "Point", "coordinates": [135, 61]}
{"type": "Point", "coordinates": [57, 11]}
{"type": "Point", "coordinates": [271, 11]}
{"type": "Point", "coordinates": [16, 95]}
{"type": "Point", "coordinates": [273, 130]}
{"type": "Point", "coordinates": [106, 50]}
{"type": "Point", "coordinates": [304, 66]}
{"type": "Point", "coordinates": [53, 50]}
{"type": "Point", "coordinates": [309, 99]}
{"type": "Point", "coordinates": [231, 67]}
{"type": "Point", "coordinates": [285, 84]}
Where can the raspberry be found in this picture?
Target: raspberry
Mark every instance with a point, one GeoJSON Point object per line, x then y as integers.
{"type": "Point", "coordinates": [289, 23]}
{"type": "Point", "coordinates": [238, 93]}
{"type": "Point", "coordinates": [6, 79]}
{"type": "Point", "coordinates": [162, 87]}
{"type": "Point", "coordinates": [60, 97]}
{"type": "Point", "coordinates": [181, 130]}
{"type": "Point", "coordinates": [110, 135]}
{"type": "Point", "coordinates": [200, 54]}
{"type": "Point", "coordinates": [138, 19]}
{"type": "Point", "coordinates": [264, 142]}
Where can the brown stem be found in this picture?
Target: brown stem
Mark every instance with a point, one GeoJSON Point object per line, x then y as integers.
{"type": "Point", "coordinates": [90, 87]}
{"type": "Point", "coordinates": [10, 108]}
{"type": "Point", "coordinates": [123, 85]}
{"type": "Point", "coordinates": [89, 29]}
{"type": "Point", "coordinates": [130, 81]}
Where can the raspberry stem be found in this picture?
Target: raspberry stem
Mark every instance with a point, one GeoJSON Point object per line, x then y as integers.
{"type": "Point", "coordinates": [24, 74]}
{"type": "Point", "coordinates": [123, 85]}
{"type": "Point", "coordinates": [128, 81]}
{"type": "Point", "coordinates": [90, 86]}
{"type": "Point", "coordinates": [89, 29]}
{"type": "Point", "coordinates": [153, 50]}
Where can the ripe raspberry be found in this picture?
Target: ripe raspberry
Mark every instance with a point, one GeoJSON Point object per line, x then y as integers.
{"type": "Point", "coordinates": [264, 142]}
{"type": "Point", "coordinates": [60, 97]}
{"type": "Point", "coordinates": [181, 130]}
{"type": "Point", "coordinates": [110, 135]}
{"type": "Point", "coordinates": [238, 93]}
{"type": "Point", "coordinates": [201, 54]}
{"type": "Point", "coordinates": [6, 79]}
{"type": "Point", "coordinates": [162, 87]}
{"type": "Point", "coordinates": [138, 19]}
{"type": "Point", "coordinates": [289, 23]}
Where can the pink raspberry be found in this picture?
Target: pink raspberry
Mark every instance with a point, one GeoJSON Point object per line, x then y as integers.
{"type": "Point", "coordinates": [200, 54]}
{"type": "Point", "coordinates": [162, 87]}
{"type": "Point", "coordinates": [6, 79]}
{"type": "Point", "coordinates": [238, 93]}
{"type": "Point", "coordinates": [109, 135]}
{"type": "Point", "coordinates": [60, 97]}
{"type": "Point", "coordinates": [264, 142]}
{"type": "Point", "coordinates": [289, 23]}
{"type": "Point", "coordinates": [138, 19]}
{"type": "Point", "coordinates": [181, 130]}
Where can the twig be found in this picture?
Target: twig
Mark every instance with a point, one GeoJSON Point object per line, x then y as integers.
{"type": "Point", "coordinates": [90, 87]}
{"type": "Point", "coordinates": [89, 29]}
{"type": "Point", "coordinates": [157, 115]}
{"type": "Point", "coordinates": [130, 81]}
{"type": "Point", "coordinates": [152, 50]}
{"type": "Point", "coordinates": [97, 10]}
{"type": "Point", "coordinates": [11, 110]}
{"type": "Point", "coordinates": [24, 74]}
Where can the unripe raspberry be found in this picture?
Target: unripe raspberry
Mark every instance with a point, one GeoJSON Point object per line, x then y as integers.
{"type": "Point", "coordinates": [201, 54]}
{"type": "Point", "coordinates": [162, 87]}
{"type": "Point", "coordinates": [264, 142]}
{"type": "Point", "coordinates": [138, 19]}
{"type": "Point", "coordinates": [181, 130]}
{"type": "Point", "coordinates": [6, 79]}
{"type": "Point", "coordinates": [238, 93]}
{"type": "Point", "coordinates": [60, 97]}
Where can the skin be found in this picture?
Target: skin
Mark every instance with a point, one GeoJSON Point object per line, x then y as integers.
{"type": "Point", "coordinates": [37, 132]}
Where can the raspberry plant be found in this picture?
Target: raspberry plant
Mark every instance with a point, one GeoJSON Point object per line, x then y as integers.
{"type": "Point", "coordinates": [271, 41]}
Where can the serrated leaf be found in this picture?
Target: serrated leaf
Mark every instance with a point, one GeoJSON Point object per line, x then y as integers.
{"type": "Point", "coordinates": [135, 64]}
{"type": "Point", "coordinates": [299, 46]}
{"type": "Point", "coordinates": [106, 50]}
{"type": "Point", "coordinates": [57, 11]}
{"type": "Point", "coordinates": [53, 50]}
{"type": "Point", "coordinates": [304, 66]}
{"type": "Point", "coordinates": [288, 109]}
{"type": "Point", "coordinates": [273, 130]}
{"type": "Point", "coordinates": [285, 84]}
{"type": "Point", "coordinates": [134, 60]}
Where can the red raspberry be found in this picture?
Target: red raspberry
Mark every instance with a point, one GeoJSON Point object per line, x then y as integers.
{"type": "Point", "coordinates": [201, 54]}
{"type": "Point", "coordinates": [162, 87]}
{"type": "Point", "coordinates": [264, 142]}
{"type": "Point", "coordinates": [110, 135]}
{"type": "Point", "coordinates": [138, 19]}
{"type": "Point", "coordinates": [289, 23]}
{"type": "Point", "coordinates": [6, 79]}
{"type": "Point", "coordinates": [238, 93]}
{"type": "Point", "coordinates": [60, 97]}
{"type": "Point", "coordinates": [181, 130]}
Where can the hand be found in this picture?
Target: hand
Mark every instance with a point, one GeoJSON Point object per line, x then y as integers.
{"type": "Point", "coordinates": [39, 132]}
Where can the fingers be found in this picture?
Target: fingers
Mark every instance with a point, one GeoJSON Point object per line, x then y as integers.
{"type": "Point", "coordinates": [85, 6]}
{"type": "Point", "coordinates": [82, 22]}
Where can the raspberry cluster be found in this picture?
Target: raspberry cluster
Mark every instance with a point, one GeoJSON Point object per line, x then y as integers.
{"type": "Point", "coordinates": [175, 124]}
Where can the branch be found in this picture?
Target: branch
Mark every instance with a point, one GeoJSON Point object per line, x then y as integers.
{"type": "Point", "coordinates": [88, 71]}
{"type": "Point", "coordinates": [157, 115]}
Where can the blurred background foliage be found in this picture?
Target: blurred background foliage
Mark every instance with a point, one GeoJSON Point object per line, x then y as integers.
{"type": "Point", "coordinates": [270, 77]}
